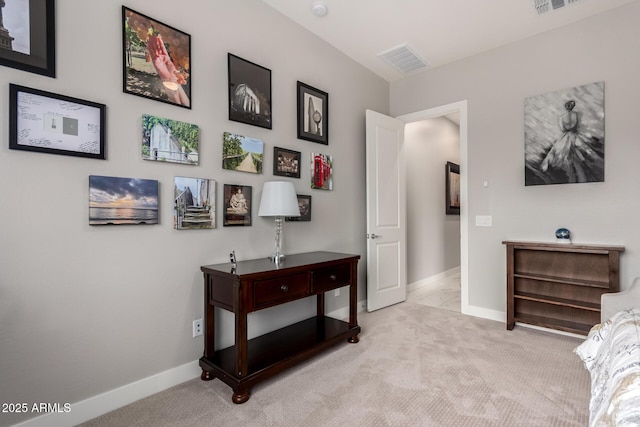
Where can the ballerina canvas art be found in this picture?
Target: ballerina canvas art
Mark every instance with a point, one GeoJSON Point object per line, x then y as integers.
{"type": "Point", "coordinates": [564, 136]}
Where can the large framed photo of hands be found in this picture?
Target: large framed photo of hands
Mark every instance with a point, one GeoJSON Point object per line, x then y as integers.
{"type": "Point", "coordinates": [28, 36]}
{"type": "Point", "coordinates": [156, 59]}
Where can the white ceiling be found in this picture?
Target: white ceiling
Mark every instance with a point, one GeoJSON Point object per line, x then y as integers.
{"type": "Point", "coordinates": [438, 31]}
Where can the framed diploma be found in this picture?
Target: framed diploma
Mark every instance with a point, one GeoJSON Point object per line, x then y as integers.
{"type": "Point", "coordinates": [55, 124]}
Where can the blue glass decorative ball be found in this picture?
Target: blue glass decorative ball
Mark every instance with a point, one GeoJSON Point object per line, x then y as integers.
{"type": "Point", "coordinates": [563, 234]}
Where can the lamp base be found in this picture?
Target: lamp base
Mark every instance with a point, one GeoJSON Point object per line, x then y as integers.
{"type": "Point", "coordinates": [277, 258]}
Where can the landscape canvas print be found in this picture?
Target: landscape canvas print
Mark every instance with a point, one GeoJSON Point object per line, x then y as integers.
{"type": "Point", "coordinates": [194, 203]}
{"type": "Point", "coordinates": [564, 136]}
{"type": "Point", "coordinates": [242, 153]}
{"type": "Point", "coordinates": [117, 201]}
{"type": "Point", "coordinates": [167, 140]}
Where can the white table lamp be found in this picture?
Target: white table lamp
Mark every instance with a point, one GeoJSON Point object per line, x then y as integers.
{"type": "Point", "coordinates": [278, 200]}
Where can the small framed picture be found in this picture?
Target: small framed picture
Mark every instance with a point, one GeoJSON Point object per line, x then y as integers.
{"type": "Point", "coordinates": [304, 204]}
{"type": "Point", "coordinates": [321, 171]}
{"type": "Point", "coordinates": [28, 36]}
{"type": "Point", "coordinates": [46, 122]}
{"type": "Point", "coordinates": [242, 153]}
{"type": "Point", "coordinates": [194, 205]}
{"type": "Point", "coordinates": [166, 140]}
{"type": "Point", "coordinates": [237, 205]}
{"type": "Point", "coordinates": [452, 176]}
{"type": "Point", "coordinates": [122, 201]}
{"type": "Point", "coordinates": [156, 59]}
{"type": "Point", "coordinates": [286, 162]}
{"type": "Point", "coordinates": [313, 114]}
{"type": "Point", "coordinates": [249, 92]}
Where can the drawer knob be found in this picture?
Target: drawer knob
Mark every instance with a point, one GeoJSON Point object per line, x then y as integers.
{"type": "Point", "coordinates": [284, 288]}
{"type": "Point", "coordinates": [332, 277]}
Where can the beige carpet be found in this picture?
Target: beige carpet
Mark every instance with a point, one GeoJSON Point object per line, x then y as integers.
{"type": "Point", "coordinates": [414, 366]}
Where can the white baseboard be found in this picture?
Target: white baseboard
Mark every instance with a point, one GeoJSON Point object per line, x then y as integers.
{"type": "Point", "coordinates": [430, 281]}
{"type": "Point", "coordinates": [485, 313]}
{"type": "Point", "coordinates": [101, 404]}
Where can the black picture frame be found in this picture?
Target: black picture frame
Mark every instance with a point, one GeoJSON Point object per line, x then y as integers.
{"type": "Point", "coordinates": [237, 213]}
{"type": "Point", "coordinates": [50, 123]}
{"type": "Point", "coordinates": [310, 115]}
{"type": "Point", "coordinates": [249, 92]}
{"type": "Point", "coordinates": [40, 56]}
{"type": "Point", "coordinates": [171, 81]}
{"type": "Point", "coordinates": [286, 162]}
{"type": "Point", "coordinates": [452, 192]}
{"type": "Point", "coordinates": [304, 204]}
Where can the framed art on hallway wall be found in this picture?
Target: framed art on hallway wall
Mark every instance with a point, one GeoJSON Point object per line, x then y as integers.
{"type": "Point", "coordinates": [452, 191]}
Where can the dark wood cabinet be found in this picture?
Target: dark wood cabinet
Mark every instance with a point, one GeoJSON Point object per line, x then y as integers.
{"type": "Point", "coordinates": [257, 284]}
{"type": "Point", "coordinates": [557, 285]}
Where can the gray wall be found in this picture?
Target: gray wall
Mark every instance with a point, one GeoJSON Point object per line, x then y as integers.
{"type": "Point", "coordinates": [433, 238]}
{"type": "Point", "coordinates": [495, 85]}
{"type": "Point", "coordinates": [84, 309]}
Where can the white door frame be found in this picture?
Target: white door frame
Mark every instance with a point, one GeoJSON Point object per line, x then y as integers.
{"type": "Point", "coordinates": [430, 113]}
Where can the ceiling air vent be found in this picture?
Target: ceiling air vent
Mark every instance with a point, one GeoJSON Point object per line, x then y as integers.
{"type": "Point", "coordinates": [403, 58]}
{"type": "Point", "coordinates": [544, 6]}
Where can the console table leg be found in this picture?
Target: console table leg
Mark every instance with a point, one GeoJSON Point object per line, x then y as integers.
{"type": "Point", "coordinates": [353, 339]}
{"type": "Point", "coordinates": [206, 375]}
{"type": "Point", "coordinates": [240, 397]}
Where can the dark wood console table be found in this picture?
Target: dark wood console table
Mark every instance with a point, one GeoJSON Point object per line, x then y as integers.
{"type": "Point", "coordinates": [258, 284]}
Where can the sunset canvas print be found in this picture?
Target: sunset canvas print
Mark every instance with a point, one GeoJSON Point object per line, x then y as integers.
{"type": "Point", "coordinates": [116, 201]}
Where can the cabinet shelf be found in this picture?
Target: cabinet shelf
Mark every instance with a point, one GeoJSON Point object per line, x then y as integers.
{"type": "Point", "coordinates": [559, 286]}
{"type": "Point", "coordinates": [546, 299]}
{"type": "Point", "coordinates": [553, 323]}
{"type": "Point", "coordinates": [564, 280]}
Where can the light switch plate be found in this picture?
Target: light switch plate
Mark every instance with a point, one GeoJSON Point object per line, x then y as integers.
{"type": "Point", "coordinates": [483, 220]}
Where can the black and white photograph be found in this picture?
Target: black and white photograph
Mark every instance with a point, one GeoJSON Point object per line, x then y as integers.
{"type": "Point", "coordinates": [286, 162]}
{"type": "Point", "coordinates": [564, 136]}
{"type": "Point", "coordinates": [249, 92]}
{"type": "Point", "coordinates": [237, 205]}
{"type": "Point", "coordinates": [313, 114]}
{"type": "Point", "coordinates": [304, 204]}
{"type": "Point", "coordinates": [27, 35]}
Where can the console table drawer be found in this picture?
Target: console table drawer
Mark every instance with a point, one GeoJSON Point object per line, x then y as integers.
{"type": "Point", "coordinates": [281, 289]}
{"type": "Point", "coordinates": [326, 279]}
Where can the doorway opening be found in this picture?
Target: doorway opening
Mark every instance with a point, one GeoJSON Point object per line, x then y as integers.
{"type": "Point", "coordinates": [436, 281]}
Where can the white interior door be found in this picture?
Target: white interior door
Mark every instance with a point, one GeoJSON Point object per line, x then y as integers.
{"type": "Point", "coordinates": [386, 211]}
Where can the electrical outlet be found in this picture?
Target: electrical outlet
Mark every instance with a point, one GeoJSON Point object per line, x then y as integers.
{"type": "Point", "coordinates": [197, 328]}
{"type": "Point", "coordinates": [336, 292]}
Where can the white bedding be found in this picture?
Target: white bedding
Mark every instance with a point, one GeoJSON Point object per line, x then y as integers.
{"type": "Point", "coordinates": [611, 354]}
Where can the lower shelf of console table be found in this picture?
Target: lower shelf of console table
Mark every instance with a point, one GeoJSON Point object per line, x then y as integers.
{"type": "Point", "coordinates": [274, 352]}
{"type": "Point", "coordinates": [257, 284]}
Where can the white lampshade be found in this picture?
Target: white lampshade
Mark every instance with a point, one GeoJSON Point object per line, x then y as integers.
{"type": "Point", "coordinates": [279, 199]}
